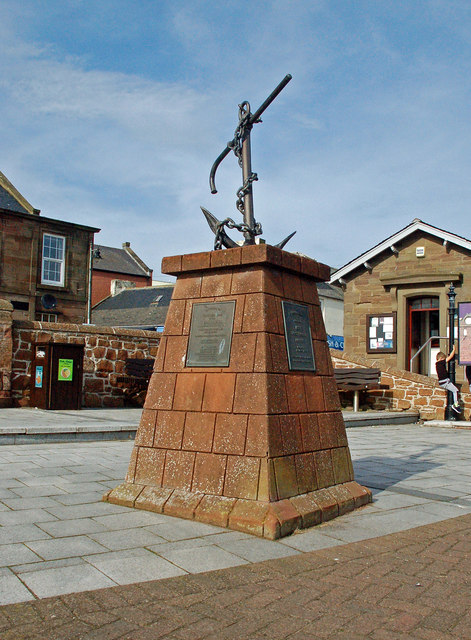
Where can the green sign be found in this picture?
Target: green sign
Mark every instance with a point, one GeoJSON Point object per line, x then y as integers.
{"type": "Point", "coordinates": [66, 368]}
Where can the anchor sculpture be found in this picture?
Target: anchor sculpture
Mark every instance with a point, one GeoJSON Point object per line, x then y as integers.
{"type": "Point", "coordinates": [240, 145]}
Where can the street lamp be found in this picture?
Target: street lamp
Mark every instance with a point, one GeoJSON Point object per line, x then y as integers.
{"type": "Point", "coordinates": [94, 254]}
{"type": "Point", "coordinates": [449, 413]}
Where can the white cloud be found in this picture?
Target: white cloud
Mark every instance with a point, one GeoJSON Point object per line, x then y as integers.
{"type": "Point", "coordinates": [372, 131]}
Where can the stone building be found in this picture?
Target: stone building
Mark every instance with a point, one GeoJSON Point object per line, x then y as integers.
{"type": "Point", "coordinates": [114, 268]}
{"type": "Point", "coordinates": [44, 263]}
{"type": "Point", "coordinates": [395, 296]}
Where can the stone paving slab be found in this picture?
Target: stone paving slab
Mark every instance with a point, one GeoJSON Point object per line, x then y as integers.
{"type": "Point", "coordinates": [53, 582]}
{"type": "Point", "coordinates": [129, 568]}
{"type": "Point", "coordinates": [418, 475]}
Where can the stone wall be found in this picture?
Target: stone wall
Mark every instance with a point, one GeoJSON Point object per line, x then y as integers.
{"type": "Point", "coordinates": [6, 348]}
{"type": "Point", "coordinates": [105, 352]}
{"type": "Point", "coordinates": [405, 390]}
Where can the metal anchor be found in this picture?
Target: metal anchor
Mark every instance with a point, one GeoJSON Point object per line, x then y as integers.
{"type": "Point", "coordinates": [240, 145]}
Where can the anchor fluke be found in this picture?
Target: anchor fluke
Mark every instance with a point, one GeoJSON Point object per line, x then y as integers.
{"type": "Point", "coordinates": [217, 227]}
{"type": "Point", "coordinates": [281, 244]}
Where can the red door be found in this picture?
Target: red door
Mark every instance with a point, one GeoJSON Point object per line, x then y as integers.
{"type": "Point", "coordinates": [423, 323]}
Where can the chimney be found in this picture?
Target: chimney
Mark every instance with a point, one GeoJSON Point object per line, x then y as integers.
{"type": "Point", "coordinates": [118, 285]}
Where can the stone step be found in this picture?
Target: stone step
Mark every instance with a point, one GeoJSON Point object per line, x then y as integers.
{"type": "Point", "coordinates": [378, 418]}
{"type": "Point", "coordinates": [31, 433]}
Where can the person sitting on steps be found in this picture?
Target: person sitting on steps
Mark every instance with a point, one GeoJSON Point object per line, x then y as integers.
{"type": "Point", "coordinates": [443, 378]}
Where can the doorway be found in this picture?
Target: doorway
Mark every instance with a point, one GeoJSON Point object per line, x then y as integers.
{"type": "Point", "coordinates": [56, 381]}
{"type": "Point", "coordinates": [423, 323]}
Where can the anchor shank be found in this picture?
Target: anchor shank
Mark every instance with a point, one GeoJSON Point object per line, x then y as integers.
{"type": "Point", "coordinates": [249, 219]}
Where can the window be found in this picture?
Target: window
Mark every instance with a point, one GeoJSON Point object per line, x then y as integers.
{"type": "Point", "coordinates": [19, 305]}
{"type": "Point", "coordinates": [53, 260]}
{"type": "Point", "coordinates": [425, 303]}
{"type": "Point", "coordinates": [46, 317]}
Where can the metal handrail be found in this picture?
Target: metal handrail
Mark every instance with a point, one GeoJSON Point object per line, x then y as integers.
{"type": "Point", "coordinates": [423, 347]}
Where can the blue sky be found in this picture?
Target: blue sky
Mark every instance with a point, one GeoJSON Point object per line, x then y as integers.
{"type": "Point", "coordinates": [113, 112]}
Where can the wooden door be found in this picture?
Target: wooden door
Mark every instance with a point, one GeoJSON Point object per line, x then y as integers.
{"type": "Point", "coordinates": [66, 376]}
{"type": "Point", "coordinates": [40, 375]}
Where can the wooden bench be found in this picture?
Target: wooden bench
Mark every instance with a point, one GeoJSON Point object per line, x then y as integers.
{"type": "Point", "coordinates": [134, 382]}
{"type": "Point", "coordinates": [356, 380]}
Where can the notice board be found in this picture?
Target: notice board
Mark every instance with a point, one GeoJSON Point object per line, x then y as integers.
{"type": "Point", "coordinates": [381, 333]}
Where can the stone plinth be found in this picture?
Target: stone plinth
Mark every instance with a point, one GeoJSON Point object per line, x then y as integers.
{"type": "Point", "coordinates": [253, 446]}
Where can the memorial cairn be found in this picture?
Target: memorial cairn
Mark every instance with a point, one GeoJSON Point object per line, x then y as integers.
{"type": "Point", "coordinates": [241, 425]}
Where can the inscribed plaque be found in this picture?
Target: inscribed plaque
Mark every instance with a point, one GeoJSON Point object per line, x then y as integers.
{"type": "Point", "coordinates": [298, 336]}
{"type": "Point", "coordinates": [210, 339]}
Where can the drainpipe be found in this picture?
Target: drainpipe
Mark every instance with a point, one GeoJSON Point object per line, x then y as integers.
{"type": "Point", "coordinates": [90, 267]}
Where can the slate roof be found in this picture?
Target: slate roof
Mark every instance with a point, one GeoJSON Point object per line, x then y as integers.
{"type": "Point", "coordinates": [118, 261]}
{"type": "Point", "coordinates": [139, 307]}
{"type": "Point", "coordinates": [326, 290]}
{"type": "Point", "coordinates": [11, 199]}
{"type": "Point", "coordinates": [7, 201]}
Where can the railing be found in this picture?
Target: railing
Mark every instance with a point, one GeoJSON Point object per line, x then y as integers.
{"type": "Point", "coordinates": [423, 347]}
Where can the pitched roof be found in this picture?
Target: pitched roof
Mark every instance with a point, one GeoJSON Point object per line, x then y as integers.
{"type": "Point", "coordinates": [119, 261]}
{"type": "Point", "coordinates": [11, 199]}
{"type": "Point", "coordinates": [391, 241]}
{"type": "Point", "coordinates": [142, 307]}
{"type": "Point", "coordinates": [326, 290]}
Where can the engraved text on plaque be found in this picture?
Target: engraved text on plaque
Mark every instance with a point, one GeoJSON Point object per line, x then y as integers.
{"type": "Point", "coordinates": [210, 339]}
{"type": "Point", "coordinates": [298, 336]}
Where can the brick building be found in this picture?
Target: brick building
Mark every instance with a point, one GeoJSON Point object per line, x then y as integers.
{"type": "Point", "coordinates": [111, 264]}
{"type": "Point", "coordinates": [395, 296]}
{"type": "Point", "coordinates": [44, 263]}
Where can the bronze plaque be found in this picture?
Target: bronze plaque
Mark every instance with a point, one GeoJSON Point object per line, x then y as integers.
{"type": "Point", "coordinates": [210, 334]}
{"type": "Point", "coordinates": [298, 336]}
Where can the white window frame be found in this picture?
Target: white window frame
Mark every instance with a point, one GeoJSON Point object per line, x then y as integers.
{"type": "Point", "coordinates": [47, 317]}
{"type": "Point", "coordinates": [61, 261]}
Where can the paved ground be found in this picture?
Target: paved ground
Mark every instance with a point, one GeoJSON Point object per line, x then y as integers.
{"type": "Point", "coordinates": [57, 538]}
{"type": "Point", "coordinates": [31, 417]}
{"type": "Point", "coordinates": [410, 585]}
{"type": "Point", "coordinates": [32, 425]}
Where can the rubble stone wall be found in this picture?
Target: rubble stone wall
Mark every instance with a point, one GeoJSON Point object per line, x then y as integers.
{"type": "Point", "coordinates": [105, 353]}
{"type": "Point", "coordinates": [6, 348]}
{"type": "Point", "coordinates": [405, 390]}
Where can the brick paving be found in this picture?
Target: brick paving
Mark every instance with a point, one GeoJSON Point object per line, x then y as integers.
{"type": "Point", "coordinates": [413, 584]}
